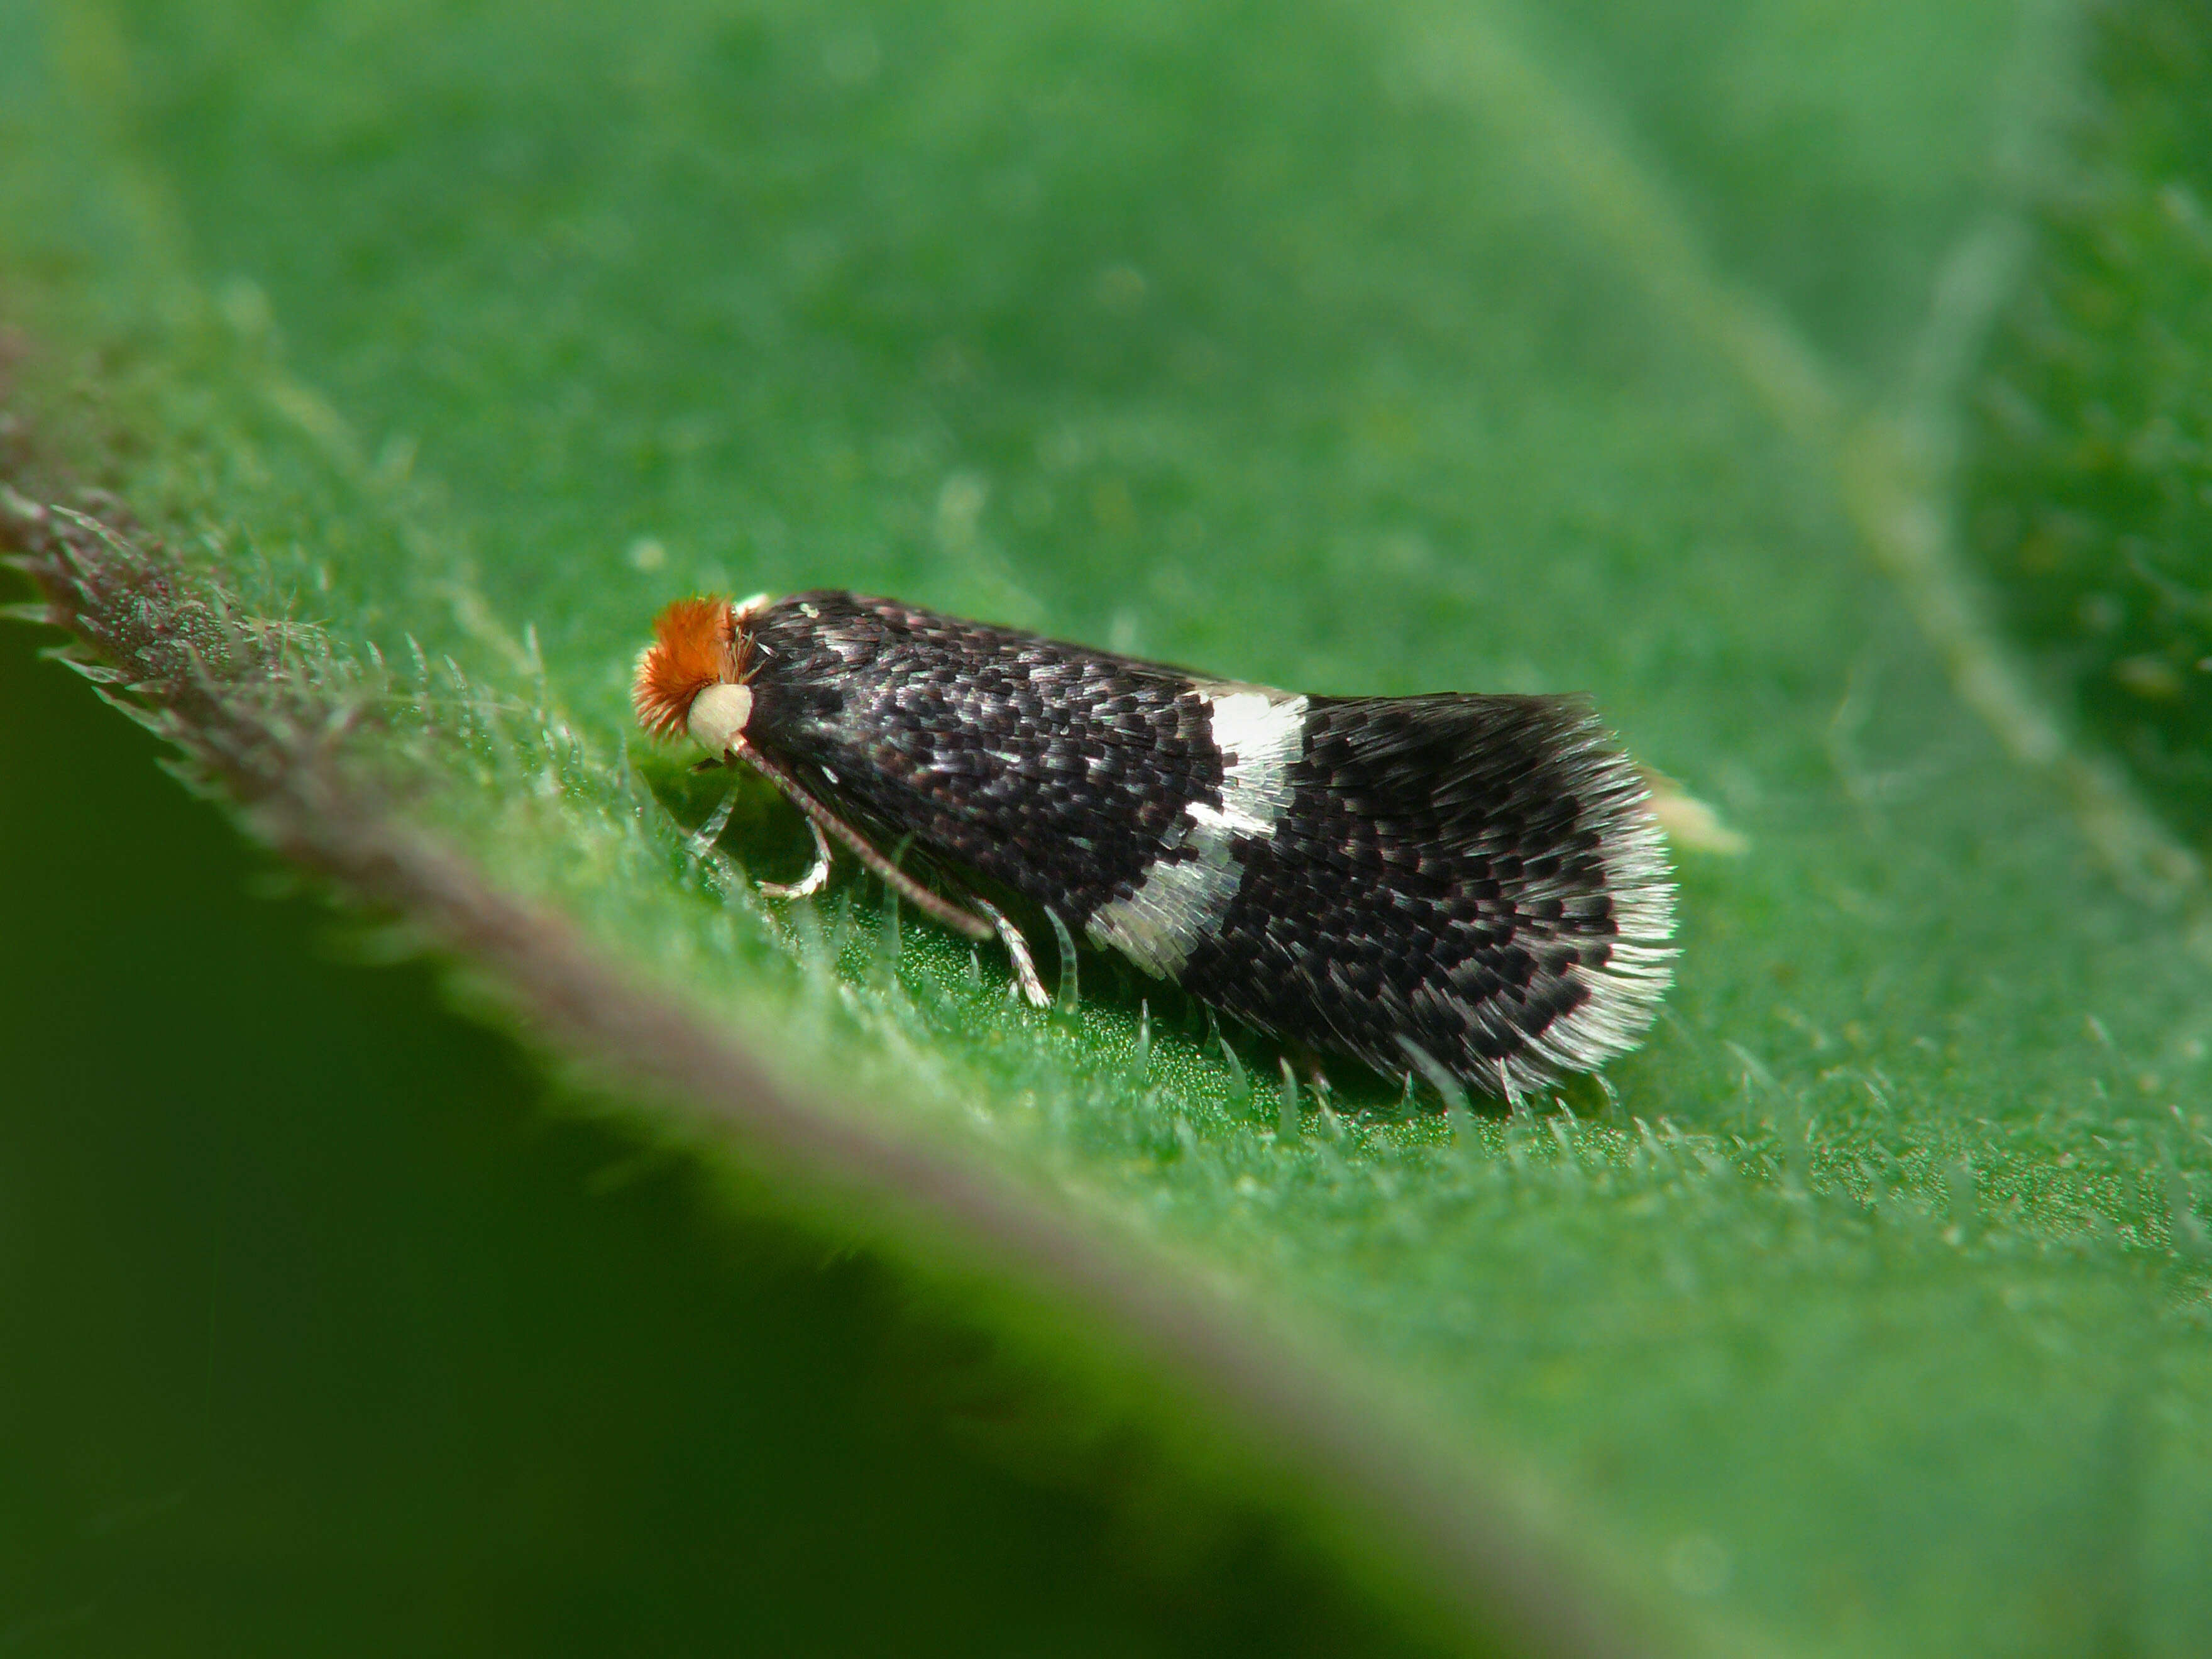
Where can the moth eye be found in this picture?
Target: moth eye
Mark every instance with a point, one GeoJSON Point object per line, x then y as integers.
{"type": "Point", "coordinates": [719, 715]}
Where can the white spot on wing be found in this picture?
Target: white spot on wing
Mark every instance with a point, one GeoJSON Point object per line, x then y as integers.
{"type": "Point", "coordinates": [1261, 735]}
{"type": "Point", "coordinates": [1188, 888]}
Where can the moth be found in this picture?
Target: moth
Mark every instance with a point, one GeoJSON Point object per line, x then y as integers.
{"type": "Point", "coordinates": [1473, 883]}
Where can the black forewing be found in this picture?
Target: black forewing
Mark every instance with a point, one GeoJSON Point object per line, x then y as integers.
{"type": "Point", "coordinates": [1440, 870]}
{"type": "Point", "coordinates": [1055, 770]}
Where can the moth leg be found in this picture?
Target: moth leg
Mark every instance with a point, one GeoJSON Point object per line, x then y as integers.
{"type": "Point", "coordinates": [1025, 973]}
{"type": "Point", "coordinates": [1308, 1065]}
{"type": "Point", "coordinates": [700, 841]}
{"type": "Point", "coordinates": [812, 881]}
{"type": "Point", "coordinates": [936, 910]}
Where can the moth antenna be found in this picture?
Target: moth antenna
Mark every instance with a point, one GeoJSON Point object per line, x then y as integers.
{"type": "Point", "coordinates": [941, 910]}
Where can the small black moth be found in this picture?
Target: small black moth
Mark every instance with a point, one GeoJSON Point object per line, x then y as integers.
{"type": "Point", "coordinates": [1470, 882]}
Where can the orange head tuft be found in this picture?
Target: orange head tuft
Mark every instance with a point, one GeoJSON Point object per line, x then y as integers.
{"type": "Point", "coordinates": [694, 647]}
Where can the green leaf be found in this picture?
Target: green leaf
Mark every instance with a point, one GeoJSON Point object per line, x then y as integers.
{"type": "Point", "coordinates": [1378, 350]}
{"type": "Point", "coordinates": [322, 1339]}
{"type": "Point", "coordinates": [2090, 489]}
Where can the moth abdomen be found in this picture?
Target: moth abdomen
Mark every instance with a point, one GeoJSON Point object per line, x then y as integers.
{"type": "Point", "coordinates": [1478, 877]}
